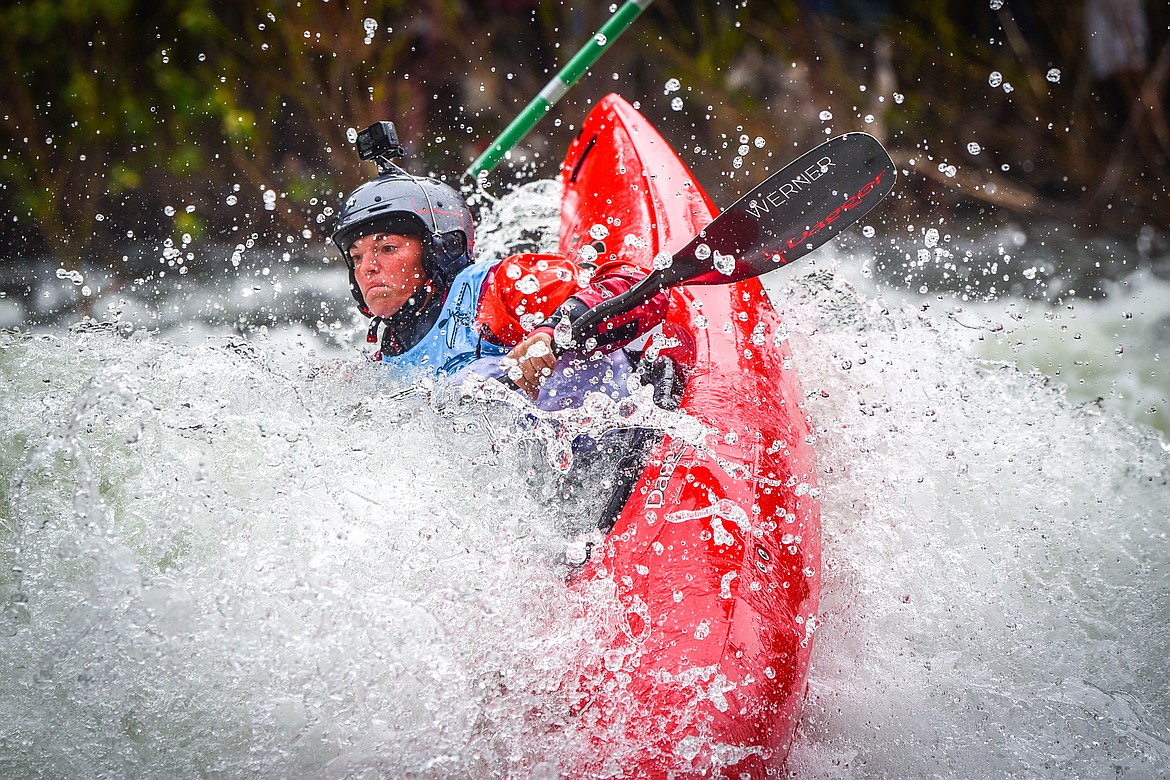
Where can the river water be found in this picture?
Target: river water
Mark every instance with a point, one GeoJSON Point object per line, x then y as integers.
{"type": "Point", "coordinates": [230, 547]}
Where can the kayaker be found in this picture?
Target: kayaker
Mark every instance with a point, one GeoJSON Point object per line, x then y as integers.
{"type": "Point", "coordinates": [408, 242]}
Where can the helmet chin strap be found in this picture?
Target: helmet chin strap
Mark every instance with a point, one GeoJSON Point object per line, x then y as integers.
{"type": "Point", "coordinates": [406, 327]}
{"type": "Point", "coordinates": [372, 333]}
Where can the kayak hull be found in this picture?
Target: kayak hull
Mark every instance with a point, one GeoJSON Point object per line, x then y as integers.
{"type": "Point", "coordinates": [715, 559]}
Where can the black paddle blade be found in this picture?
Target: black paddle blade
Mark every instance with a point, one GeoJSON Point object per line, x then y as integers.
{"type": "Point", "coordinates": [793, 212]}
{"type": "Point", "coordinates": [799, 208]}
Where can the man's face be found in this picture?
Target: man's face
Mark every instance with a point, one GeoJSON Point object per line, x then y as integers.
{"type": "Point", "coordinates": [388, 268]}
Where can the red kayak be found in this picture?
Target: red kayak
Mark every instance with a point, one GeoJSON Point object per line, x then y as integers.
{"type": "Point", "coordinates": [715, 558]}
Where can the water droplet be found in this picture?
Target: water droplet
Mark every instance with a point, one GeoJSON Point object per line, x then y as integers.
{"type": "Point", "coordinates": [1054, 75]}
{"type": "Point", "coordinates": [73, 276]}
{"type": "Point", "coordinates": [826, 116]}
{"type": "Point", "coordinates": [702, 251]}
{"type": "Point", "coordinates": [868, 231]}
{"type": "Point", "coordinates": [351, 135]}
{"type": "Point", "coordinates": [232, 200]}
{"type": "Point", "coordinates": [538, 349]}
{"type": "Point", "coordinates": [995, 79]}
{"type": "Point", "coordinates": [587, 254]}
{"type": "Point", "coordinates": [598, 232]}
{"type": "Point", "coordinates": [528, 285]}
{"type": "Point", "coordinates": [974, 148]}
{"type": "Point", "coordinates": [759, 142]}
{"type": "Point", "coordinates": [672, 85]}
{"type": "Point", "coordinates": [677, 104]}
{"type": "Point", "coordinates": [600, 39]}
{"type": "Point", "coordinates": [899, 98]}
{"type": "Point", "coordinates": [1030, 273]}
{"type": "Point", "coordinates": [996, 5]}
{"type": "Point", "coordinates": [663, 260]}
{"type": "Point", "coordinates": [724, 264]}
{"type": "Point", "coordinates": [1007, 87]}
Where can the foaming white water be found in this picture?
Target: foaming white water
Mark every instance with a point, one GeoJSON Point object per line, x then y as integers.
{"type": "Point", "coordinates": [215, 564]}
{"type": "Point", "coordinates": [259, 559]}
{"type": "Point", "coordinates": [996, 558]}
{"type": "Point", "coordinates": [1113, 350]}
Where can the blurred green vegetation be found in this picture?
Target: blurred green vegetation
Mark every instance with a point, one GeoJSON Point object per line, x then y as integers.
{"type": "Point", "coordinates": [127, 120]}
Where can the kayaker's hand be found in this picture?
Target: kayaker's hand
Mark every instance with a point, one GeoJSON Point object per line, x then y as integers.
{"type": "Point", "coordinates": [536, 361]}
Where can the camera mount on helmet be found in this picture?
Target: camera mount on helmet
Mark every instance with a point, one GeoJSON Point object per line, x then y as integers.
{"type": "Point", "coordinates": [379, 142]}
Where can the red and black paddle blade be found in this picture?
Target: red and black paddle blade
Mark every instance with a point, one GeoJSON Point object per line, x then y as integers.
{"type": "Point", "coordinates": [795, 210]}
{"type": "Point", "coordinates": [801, 207]}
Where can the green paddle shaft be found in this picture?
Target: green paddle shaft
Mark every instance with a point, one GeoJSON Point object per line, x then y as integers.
{"type": "Point", "coordinates": [557, 87]}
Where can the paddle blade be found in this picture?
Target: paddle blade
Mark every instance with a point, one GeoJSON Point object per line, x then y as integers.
{"type": "Point", "coordinates": [799, 208]}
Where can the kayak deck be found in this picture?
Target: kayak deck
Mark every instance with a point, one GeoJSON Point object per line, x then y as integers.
{"type": "Point", "coordinates": [715, 557]}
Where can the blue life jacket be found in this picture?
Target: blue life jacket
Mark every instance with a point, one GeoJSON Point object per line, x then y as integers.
{"type": "Point", "coordinates": [454, 341]}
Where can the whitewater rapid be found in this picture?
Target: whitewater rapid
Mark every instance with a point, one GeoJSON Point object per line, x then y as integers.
{"type": "Point", "coordinates": [259, 556]}
{"type": "Point", "coordinates": [996, 558]}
